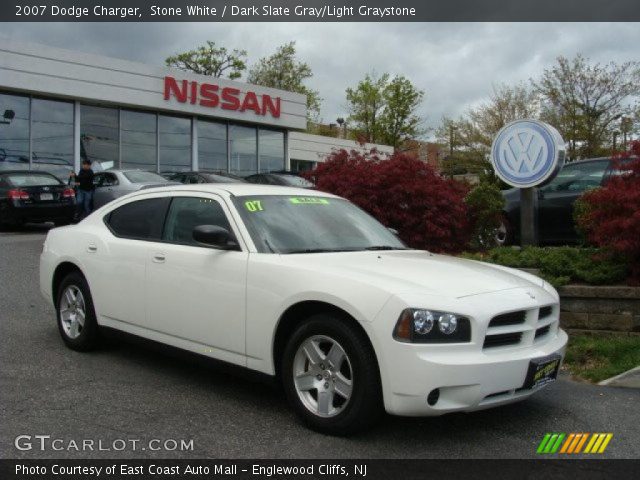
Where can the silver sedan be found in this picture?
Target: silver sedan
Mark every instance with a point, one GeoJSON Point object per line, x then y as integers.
{"type": "Point", "coordinates": [112, 184]}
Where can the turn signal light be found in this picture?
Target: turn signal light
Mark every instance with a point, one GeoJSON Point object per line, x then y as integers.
{"type": "Point", "coordinates": [17, 194]}
{"type": "Point", "coordinates": [68, 193]}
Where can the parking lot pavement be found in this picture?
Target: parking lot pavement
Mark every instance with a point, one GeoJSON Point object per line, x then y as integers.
{"type": "Point", "coordinates": [127, 391]}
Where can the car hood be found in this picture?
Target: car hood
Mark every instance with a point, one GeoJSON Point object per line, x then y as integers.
{"type": "Point", "coordinates": [416, 271]}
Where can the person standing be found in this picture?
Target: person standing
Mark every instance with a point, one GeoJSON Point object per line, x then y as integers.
{"type": "Point", "coordinates": [84, 189]}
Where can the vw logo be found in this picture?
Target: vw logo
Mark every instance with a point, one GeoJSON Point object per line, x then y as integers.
{"type": "Point", "coordinates": [527, 153]}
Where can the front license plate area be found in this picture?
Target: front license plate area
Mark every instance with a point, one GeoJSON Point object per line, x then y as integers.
{"type": "Point", "coordinates": [46, 196]}
{"type": "Point", "coordinates": [542, 371]}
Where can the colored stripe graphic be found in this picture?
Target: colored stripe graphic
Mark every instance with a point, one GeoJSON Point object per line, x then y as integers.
{"type": "Point", "coordinates": [573, 443]}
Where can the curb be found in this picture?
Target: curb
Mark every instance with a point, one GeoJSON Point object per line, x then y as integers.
{"type": "Point", "coordinates": [613, 380]}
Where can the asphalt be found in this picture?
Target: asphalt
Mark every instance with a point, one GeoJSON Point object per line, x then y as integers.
{"type": "Point", "coordinates": [130, 391]}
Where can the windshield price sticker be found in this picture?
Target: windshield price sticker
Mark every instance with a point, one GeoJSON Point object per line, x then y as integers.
{"type": "Point", "coordinates": [309, 201]}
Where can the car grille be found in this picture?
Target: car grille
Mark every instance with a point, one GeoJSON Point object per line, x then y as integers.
{"type": "Point", "coordinates": [511, 318]}
{"type": "Point", "coordinates": [521, 327]}
{"type": "Point", "coordinates": [502, 339]}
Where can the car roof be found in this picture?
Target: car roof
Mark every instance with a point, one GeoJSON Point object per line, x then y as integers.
{"type": "Point", "coordinates": [242, 189]}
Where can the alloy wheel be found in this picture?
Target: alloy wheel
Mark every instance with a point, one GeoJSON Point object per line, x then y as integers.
{"type": "Point", "coordinates": [72, 311]}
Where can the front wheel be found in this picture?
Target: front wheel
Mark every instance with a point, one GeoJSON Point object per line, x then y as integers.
{"type": "Point", "coordinates": [76, 317]}
{"type": "Point", "coordinates": [331, 377]}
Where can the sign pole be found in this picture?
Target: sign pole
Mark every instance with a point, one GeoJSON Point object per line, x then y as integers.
{"type": "Point", "coordinates": [528, 216]}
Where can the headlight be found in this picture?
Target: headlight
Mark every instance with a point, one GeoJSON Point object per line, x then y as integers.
{"type": "Point", "coordinates": [417, 325]}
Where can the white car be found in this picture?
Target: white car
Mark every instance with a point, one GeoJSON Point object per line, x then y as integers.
{"type": "Point", "coordinates": [306, 287]}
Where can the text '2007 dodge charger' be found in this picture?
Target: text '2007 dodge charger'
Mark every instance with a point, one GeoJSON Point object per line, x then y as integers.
{"type": "Point", "coordinates": [310, 289]}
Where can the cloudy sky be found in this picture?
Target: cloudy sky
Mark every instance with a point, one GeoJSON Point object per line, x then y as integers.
{"type": "Point", "coordinates": [456, 64]}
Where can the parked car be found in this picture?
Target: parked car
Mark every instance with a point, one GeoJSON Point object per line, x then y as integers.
{"type": "Point", "coordinates": [555, 202]}
{"type": "Point", "coordinates": [112, 184]}
{"type": "Point", "coordinates": [34, 196]}
{"type": "Point", "coordinates": [308, 289]}
{"type": "Point", "coordinates": [287, 179]}
{"type": "Point", "coordinates": [205, 177]}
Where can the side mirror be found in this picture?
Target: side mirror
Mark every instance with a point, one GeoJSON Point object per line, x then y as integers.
{"type": "Point", "coordinates": [393, 230]}
{"type": "Point", "coordinates": [215, 237]}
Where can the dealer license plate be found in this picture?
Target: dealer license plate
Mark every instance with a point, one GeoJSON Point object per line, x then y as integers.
{"type": "Point", "coordinates": [542, 371]}
{"type": "Point", "coordinates": [46, 196]}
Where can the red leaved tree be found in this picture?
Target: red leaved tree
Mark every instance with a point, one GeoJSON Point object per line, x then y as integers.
{"type": "Point", "coordinates": [403, 193]}
{"type": "Point", "coordinates": [610, 216]}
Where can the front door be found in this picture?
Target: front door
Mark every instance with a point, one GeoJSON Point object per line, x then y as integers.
{"type": "Point", "coordinates": [195, 293]}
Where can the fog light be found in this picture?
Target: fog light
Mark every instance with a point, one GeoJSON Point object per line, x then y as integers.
{"type": "Point", "coordinates": [448, 323]}
{"type": "Point", "coordinates": [433, 397]}
{"type": "Point", "coordinates": [422, 321]}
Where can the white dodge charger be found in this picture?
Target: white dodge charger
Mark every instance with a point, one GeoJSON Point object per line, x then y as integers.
{"type": "Point", "coordinates": [306, 287]}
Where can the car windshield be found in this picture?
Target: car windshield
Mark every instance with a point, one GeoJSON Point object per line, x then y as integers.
{"type": "Point", "coordinates": [313, 224]}
{"type": "Point", "coordinates": [140, 176]}
{"type": "Point", "coordinates": [32, 180]}
{"type": "Point", "coordinates": [222, 178]}
{"type": "Point", "coordinates": [295, 181]}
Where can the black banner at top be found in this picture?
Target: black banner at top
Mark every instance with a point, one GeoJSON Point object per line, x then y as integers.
{"type": "Point", "coordinates": [319, 11]}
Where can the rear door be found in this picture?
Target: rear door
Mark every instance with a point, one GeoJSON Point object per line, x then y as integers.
{"type": "Point", "coordinates": [556, 200]}
{"type": "Point", "coordinates": [106, 184]}
{"type": "Point", "coordinates": [119, 259]}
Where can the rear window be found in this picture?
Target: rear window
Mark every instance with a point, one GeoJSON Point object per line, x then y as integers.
{"type": "Point", "coordinates": [295, 181]}
{"type": "Point", "coordinates": [140, 220]}
{"type": "Point", "coordinates": [144, 177]}
{"type": "Point", "coordinates": [32, 180]}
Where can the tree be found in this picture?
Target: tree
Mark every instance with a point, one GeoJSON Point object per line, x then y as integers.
{"type": "Point", "coordinates": [585, 101]}
{"type": "Point", "coordinates": [469, 138]}
{"type": "Point", "coordinates": [282, 70]}
{"type": "Point", "coordinates": [383, 109]}
{"type": "Point", "coordinates": [399, 121]}
{"type": "Point", "coordinates": [211, 60]}
{"type": "Point", "coordinates": [365, 103]}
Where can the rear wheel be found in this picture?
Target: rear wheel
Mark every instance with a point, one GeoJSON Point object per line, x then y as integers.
{"type": "Point", "coordinates": [330, 376]}
{"type": "Point", "coordinates": [76, 317]}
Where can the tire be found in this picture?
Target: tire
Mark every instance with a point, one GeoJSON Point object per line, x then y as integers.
{"type": "Point", "coordinates": [321, 396]}
{"type": "Point", "coordinates": [73, 302]}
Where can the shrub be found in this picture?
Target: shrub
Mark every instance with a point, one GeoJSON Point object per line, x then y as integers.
{"type": "Point", "coordinates": [485, 204]}
{"type": "Point", "coordinates": [403, 193]}
{"type": "Point", "coordinates": [610, 216]}
{"type": "Point", "coordinates": [561, 265]}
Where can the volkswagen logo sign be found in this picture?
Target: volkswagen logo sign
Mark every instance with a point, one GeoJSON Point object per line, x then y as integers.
{"type": "Point", "coordinates": [527, 153]}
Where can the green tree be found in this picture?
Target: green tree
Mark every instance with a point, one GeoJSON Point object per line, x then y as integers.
{"type": "Point", "coordinates": [365, 104]}
{"type": "Point", "coordinates": [399, 121]}
{"type": "Point", "coordinates": [282, 70]}
{"type": "Point", "coordinates": [585, 101]}
{"type": "Point", "coordinates": [211, 60]}
{"type": "Point", "coordinates": [384, 109]}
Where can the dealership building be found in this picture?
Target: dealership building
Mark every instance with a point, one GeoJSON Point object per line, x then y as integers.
{"type": "Point", "coordinates": [59, 107]}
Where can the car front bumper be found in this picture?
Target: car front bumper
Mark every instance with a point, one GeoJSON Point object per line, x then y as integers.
{"type": "Point", "coordinates": [466, 382]}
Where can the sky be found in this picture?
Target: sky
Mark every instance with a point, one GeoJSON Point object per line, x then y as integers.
{"type": "Point", "coordinates": [456, 64]}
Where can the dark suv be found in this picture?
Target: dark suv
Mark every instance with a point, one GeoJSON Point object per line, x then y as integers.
{"type": "Point", "coordinates": [555, 202]}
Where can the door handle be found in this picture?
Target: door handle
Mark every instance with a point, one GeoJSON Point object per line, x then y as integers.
{"type": "Point", "coordinates": [92, 248]}
{"type": "Point", "coordinates": [159, 258]}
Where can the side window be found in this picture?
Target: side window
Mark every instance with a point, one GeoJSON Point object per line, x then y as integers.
{"type": "Point", "coordinates": [201, 179]}
{"type": "Point", "coordinates": [186, 213]}
{"type": "Point", "coordinates": [578, 177]}
{"type": "Point", "coordinates": [191, 179]}
{"type": "Point", "coordinates": [108, 180]}
{"type": "Point", "coordinates": [97, 179]}
{"type": "Point", "coordinates": [141, 220]}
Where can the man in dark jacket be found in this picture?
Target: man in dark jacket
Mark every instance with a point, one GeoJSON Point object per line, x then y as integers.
{"type": "Point", "coordinates": [84, 189]}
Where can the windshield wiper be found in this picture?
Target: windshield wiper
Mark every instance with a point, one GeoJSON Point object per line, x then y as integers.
{"type": "Point", "coordinates": [384, 247]}
{"type": "Point", "coordinates": [319, 250]}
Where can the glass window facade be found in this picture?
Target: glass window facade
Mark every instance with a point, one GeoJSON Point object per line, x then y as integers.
{"type": "Point", "coordinates": [52, 136]}
{"type": "Point", "coordinates": [99, 136]}
{"type": "Point", "coordinates": [175, 143]}
{"type": "Point", "coordinates": [14, 132]}
{"type": "Point", "coordinates": [38, 133]}
{"type": "Point", "coordinates": [138, 137]}
{"type": "Point", "coordinates": [212, 146]}
{"type": "Point", "coordinates": [271, 150]}
{"type": "Point", "coordinates": [243, 147]}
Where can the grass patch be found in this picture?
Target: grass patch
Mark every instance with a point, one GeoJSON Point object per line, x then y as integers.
{"type": "Point", "coordinates": [597, 358]}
